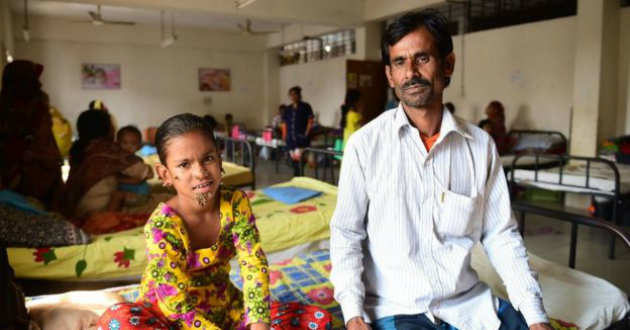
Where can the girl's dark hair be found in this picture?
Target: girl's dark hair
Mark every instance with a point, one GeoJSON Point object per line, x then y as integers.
{"type": "Point", "coordinates": [297, 90]}
{"type": "Point", "coordinates": [91, 125]}
{"type": "Point", "coordinates": [352, 97]}
{"type": "Point", "coordinates": [178, 125]}
{"type": "Point", "coordinates": [430, 19]}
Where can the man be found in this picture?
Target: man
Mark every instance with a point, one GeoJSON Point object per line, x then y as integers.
{"type": "Point", "coordinates": [298, 121]}
{"type": "Point", "coordinates": [418, 188]}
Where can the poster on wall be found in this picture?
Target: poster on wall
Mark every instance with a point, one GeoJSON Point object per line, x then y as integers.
{"type": "Point", "coordinates": [100, 76]}
{"type": "Point", "coordinates": [214, 80]}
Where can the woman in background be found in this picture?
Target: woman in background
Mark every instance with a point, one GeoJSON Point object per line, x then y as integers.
{"type": "Point", "coordinates": [352, 118]}
{"type": "Point", "coordinates": [30, 161]}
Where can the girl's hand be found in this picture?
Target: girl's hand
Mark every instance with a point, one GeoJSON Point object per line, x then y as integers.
{"type": "Point", "coordinates": [259, 326]}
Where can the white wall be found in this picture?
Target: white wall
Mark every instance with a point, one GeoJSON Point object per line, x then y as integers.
{"type": "Point", "coordinates": [155, 83]}
{"type": "Point", "coordinates": [323, 86]}
{"type": "Point", "coordinates": [529, 68]}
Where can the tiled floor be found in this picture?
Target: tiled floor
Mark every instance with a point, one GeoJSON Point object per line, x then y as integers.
{"type": "Point", "coordinates": [547, 238]}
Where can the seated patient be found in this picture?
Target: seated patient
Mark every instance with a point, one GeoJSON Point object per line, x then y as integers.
{"type": "Point", "coordinates": [131, 191]}
{"type": "Point", "coordinates": [96, 164]}
{"type": "Point", "coordinates": [190, 241]}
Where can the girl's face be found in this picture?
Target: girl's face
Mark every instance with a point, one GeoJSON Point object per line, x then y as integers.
{"type": "Point", "coordinates": [193, 167]}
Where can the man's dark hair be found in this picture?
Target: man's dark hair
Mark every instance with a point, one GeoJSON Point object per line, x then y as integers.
{"type": "Point", "coordinates": [130, 129]}
{"type": "Point", "coordinates": [484, 122]}
{"type": "Point", "coordinates": [297, 90]}
{"type": "Point", "coordinates": [430, 19]}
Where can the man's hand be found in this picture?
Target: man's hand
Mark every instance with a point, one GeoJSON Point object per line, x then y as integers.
{"type": "Point", "coordinates": [357, 323]}
{"type": "Point", "coordinates": [541, 326]}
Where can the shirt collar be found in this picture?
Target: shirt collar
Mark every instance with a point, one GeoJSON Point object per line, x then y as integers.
{"type": "Point", "coordinates": [449, 123]}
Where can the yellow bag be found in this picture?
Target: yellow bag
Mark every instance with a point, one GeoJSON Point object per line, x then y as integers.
{"type": "Point", "coordinates": [62, 130]}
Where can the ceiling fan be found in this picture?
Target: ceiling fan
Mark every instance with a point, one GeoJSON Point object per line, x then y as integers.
{"type": "Point", "coordinates": [97, 19]}
{"type": "Point", "coordinates": [246, 29]}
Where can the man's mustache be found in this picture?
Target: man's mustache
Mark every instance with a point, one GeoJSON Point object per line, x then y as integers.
{"type": "Point", "coordinates": [416, 81]}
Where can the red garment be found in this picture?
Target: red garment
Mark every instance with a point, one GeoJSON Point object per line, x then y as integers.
{"type": "Point", "coordinates": [145, 316]}
{"type": "Point", "coordinates": [429, 141]}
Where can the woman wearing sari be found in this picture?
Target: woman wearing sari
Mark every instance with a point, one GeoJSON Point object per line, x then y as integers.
{"type": "Point", "coordinates": [96, 164]}
{"type": "Point", "coordinates": [30, 162]}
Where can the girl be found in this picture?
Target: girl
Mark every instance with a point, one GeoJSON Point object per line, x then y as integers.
{"type": "Point", "coordinates": [190, 241]}
{"type": "Point", "coordinates": [96, 162]}
{"type": "Point", "coordinates": [352, 119]}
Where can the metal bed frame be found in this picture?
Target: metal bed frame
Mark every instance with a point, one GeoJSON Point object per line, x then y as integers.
{"type": "Point", "coordinates": [566, 214]}
{"type": "Point", "coordinates": [329, 156]}
{"type": "Point", "coordinates": [520, 132]}
{"type": "Point", "coordinates": [230, 147]}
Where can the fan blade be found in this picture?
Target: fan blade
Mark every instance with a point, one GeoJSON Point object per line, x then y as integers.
{"type": "Point", "coordinates": [118, 23]}
{"type": "Point", "coordinates": [95, 16]}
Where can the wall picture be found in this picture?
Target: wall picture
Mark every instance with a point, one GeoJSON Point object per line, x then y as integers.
{"type": "Point", "coordinates": [216, 80]}
{"type": "Point", "coordinates": [100, 76]}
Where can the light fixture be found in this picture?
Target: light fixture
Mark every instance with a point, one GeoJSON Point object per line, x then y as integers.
{"type": "Point", "coordinates": [327, 48]}
{"type": "Point", "coordinates": [25, 32]}
{"type": "Point", "coordinates": [168, 41]}
{"type": "Point", "coordinates": [240, 4]}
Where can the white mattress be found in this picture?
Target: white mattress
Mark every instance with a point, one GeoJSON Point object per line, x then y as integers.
{"type": "Point", "coordinates": [601, 178]}
{"type": "Point", "coordinates": [568, 294]}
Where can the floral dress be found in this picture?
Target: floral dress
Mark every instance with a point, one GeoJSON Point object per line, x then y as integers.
{"type": "Point", "coordinates": [184, 288]}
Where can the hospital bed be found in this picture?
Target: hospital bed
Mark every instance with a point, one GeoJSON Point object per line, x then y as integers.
{"type": "Point", "coordinates": [589, 176]}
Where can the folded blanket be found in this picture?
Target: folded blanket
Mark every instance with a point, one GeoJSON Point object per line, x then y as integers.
{"type": "Point", "coordinates": [290, 195]}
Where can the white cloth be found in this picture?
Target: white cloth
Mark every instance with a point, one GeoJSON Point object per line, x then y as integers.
{"type": "Point", "coordinates": [407, 219]}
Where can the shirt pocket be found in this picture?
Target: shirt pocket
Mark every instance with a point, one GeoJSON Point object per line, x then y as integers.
{"type": "Point", "coordinates": [459, 216]}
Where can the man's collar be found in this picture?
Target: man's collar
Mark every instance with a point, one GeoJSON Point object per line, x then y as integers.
{"type": "Point", "coordinates": [449, 123]}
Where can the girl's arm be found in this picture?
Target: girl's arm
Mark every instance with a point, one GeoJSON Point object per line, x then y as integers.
{"type": "Point", "coordinates": [252, 261]}
{"type": "Point", "coordinates": [165, 249]}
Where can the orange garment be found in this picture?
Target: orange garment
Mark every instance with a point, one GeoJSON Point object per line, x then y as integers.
{"type": "Point", "coordinates": [429, 141]}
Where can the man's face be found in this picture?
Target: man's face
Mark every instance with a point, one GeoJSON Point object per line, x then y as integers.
{"type": "Point", "coordinates": [294, 97]}
{"type": "Point", "coordinates": [416, 71]}
{"type": "Point", "coordinates": [130, 142]}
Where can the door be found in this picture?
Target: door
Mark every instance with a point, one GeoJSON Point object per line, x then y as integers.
{"type": "Point", "coordinates": [368, 77]}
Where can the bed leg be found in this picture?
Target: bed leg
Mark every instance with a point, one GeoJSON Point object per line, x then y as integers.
{"type": "Point", "coordinates": [611, 254]}
{"type": "Point", "coordinates": [521, 225]}
{"type": "Point", "coordinates": [573, 246]}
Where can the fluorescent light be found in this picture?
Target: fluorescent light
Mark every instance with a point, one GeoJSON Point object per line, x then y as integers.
{"type": "Point", "coordinates": [243, 3]}
{"type": "Point", "coordinates": [26, 34]}
{"type": "Point", "coordinates": [168, 41]}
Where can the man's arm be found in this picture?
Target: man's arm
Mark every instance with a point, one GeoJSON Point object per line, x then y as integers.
{"type": "Point", "coordinates": [505, 249]}
{"type": "Point", "coordinates": [347, 230]}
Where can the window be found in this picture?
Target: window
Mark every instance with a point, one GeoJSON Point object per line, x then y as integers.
{"type": "Point", "coordinates": [312, 49]}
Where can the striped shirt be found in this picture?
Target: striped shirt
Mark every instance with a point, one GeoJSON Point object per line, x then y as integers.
{"type": "Point", "coordinates": [407, 219]}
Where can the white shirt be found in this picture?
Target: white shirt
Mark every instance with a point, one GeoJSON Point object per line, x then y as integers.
{"type": "Point", "coordinates": [407, 219]}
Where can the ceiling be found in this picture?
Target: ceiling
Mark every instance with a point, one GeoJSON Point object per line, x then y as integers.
{"type": "Point", "coordinates": [188, 19]}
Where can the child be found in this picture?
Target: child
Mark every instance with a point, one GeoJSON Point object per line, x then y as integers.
{"type": "Point", "coordinates": [190, 241]}
{"type": "Point", "coordinates": [96, 163]}
{"type": "Point", "coordinates": [134, 191]}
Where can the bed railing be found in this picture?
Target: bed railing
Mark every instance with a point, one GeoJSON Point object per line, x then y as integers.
{"type": "Point", "coordinates": [560, 185]}
{"type": "Point", "coordinates": [239, 152]}
{"type": "Point", "coordinates": [328, 158]}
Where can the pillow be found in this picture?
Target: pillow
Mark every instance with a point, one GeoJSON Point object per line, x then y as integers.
{"type": "Point", "coordinates": [25, 229]}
